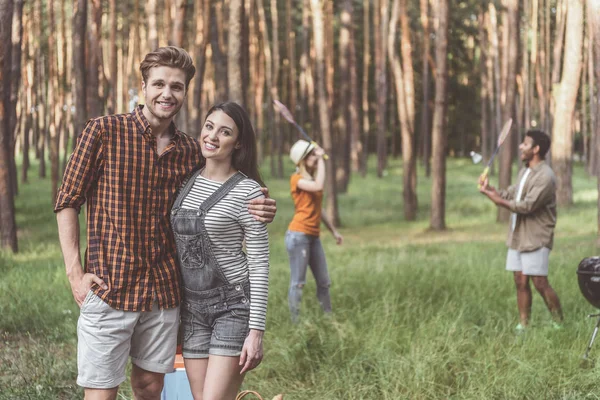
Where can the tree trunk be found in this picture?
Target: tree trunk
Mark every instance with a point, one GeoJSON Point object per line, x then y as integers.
{"type": "Point", "coordinates": [438, 187]}
{"type": "Point", "coordinates": [8, 227]}
{"type": "Point", "coordinates": [28, 81]}
{"type": "Point", "coordinates": [565, 97]}
{"type": "Point", "coordinates": [343, 103]}
{"type": "Point", "coordinates": [95, 68]}
{"type": "Point", "coordinates": [484, 82]}
{"type": "Point", "coordinates": [292, 73]}
{"type": "Point", "coordinates": [268, 65]}
{"type": "Point", "coordinates": [112, 57]}
{"type": "Point", "coordinates": [151, 15]}
{"type": "Point", "coordinates": [305, 72]}
{"type": "Point", "coordinates": [234, 52]}
{"type": "Point", "coordinates": [79, 82]}
{"type": "Point", "coordinates": [510, 54]}
{"type": "Point", "coordinates": [408, 160]}
{"type": "Point", "coordinates": [355, 149]}
{"type": "Point", "coordinates": [593, 40]}
{"type": "Point", "coordinates": [561, 21]}
{"type": "Point", "coordinates": [202, 18]}
{"type": "Point", "coordinates": [16, 40]}
{"type": "Point", "coordinates": [593, 16]}
{"type": "Point", "coordinates": [425, 131]}
{"type": "Point", "coordinates": [55, 106]}
{"type": "Point", "coordinates": [361, 159]}
{"type": "Point", "coordinates": [380, 23]}
{"type": "Point", "coordinates": [179, 23]}
{"type": "Point", "coordinates": [276, 136]}
{"type": "Point", "coordinates": [318, 34]}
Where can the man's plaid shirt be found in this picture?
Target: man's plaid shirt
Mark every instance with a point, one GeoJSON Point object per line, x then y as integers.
{"type": "Point", "coordinates": [129, 191]}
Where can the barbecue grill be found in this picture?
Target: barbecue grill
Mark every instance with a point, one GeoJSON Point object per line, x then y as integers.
{"type": "Point", "coordinates": [588, 276]}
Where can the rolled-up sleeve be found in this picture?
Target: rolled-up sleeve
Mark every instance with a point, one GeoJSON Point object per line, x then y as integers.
{"type": "Point", "coordinates": [539, 195]}
{"type": "Point", "coordinates": [82, 168]}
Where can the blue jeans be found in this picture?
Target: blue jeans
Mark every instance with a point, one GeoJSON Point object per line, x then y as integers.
{"type": "Point", "coordinates": [305, 250]}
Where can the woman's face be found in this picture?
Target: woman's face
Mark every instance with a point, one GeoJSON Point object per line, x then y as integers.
{"type": "Point", "coordinates": [219, 136]}
{"type": "Point", "coordinates": [311, 160]}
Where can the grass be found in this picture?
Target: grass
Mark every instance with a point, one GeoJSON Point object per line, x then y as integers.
{"type": "Point", "coordinates": [417, 314]}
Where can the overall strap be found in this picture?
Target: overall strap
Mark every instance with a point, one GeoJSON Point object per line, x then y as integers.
{"type": "Point", "coordinates": [222, 191]}
{"type": "Point", "coordinates": [186, 188]}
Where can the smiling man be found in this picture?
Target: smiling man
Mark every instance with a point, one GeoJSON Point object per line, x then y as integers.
{"type": "Point", "coordinates": [531, 227]}
{"type": "Point", "coordinates": [128, 169]}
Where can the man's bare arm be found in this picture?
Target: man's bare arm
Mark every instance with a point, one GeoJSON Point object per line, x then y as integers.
{"type": "Point", "coordinates": [68, 234]}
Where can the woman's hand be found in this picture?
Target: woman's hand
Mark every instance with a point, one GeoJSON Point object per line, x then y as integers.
{"type": "Point", "coordinates": [319, 152]}
{"type": "Point", "coordinates": [339, 239]}
{"type": "Point", "coordinates": [252, 352]}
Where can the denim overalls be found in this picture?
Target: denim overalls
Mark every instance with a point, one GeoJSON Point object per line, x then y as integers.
{"type": "Point", "coordinates": [214, 313]}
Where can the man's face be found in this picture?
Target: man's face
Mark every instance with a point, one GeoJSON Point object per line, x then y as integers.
{"type": "Point", "coordinates": [164, 92]}
{"type": "Point", "coordinates": [528, 149]}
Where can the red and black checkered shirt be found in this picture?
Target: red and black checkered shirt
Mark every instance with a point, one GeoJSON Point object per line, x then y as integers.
{"type": "Point", "coordinates": [129, 191]}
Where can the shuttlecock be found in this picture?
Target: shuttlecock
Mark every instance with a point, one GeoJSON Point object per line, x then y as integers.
{"type": "Point", "coordinates": [475, 157]}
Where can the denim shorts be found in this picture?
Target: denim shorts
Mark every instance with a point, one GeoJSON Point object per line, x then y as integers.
{"type": "Point", "coordinates": [215, 321]}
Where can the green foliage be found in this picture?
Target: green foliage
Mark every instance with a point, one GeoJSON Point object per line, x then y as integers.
{"type": "Point", "coordinates": [417, 314]}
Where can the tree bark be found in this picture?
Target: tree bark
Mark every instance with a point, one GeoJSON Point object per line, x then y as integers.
{"type": "Point", "coordinates": [484, 82]}
{"type": "Point", "coordinates": [112, 57]}
{"type": "Point", "coordinates": [79, 81]}
{"type": "Point", "coordinates": [344, 101]}
{"type": "Point", "coordinates": [361, 159]}
{"type": "Point", "coordinates": [593, 16]}
{"type": "Point", "coordinates": [425, 131]}
{"type": "Point", "coordinates": [95, 68]}
{"type": "Point", "coordinates": [355, 145]}
{"type": "Point", "coordinates": [8, 227]}
{"type": "Point", "coordinates": [330, 184]}
{"type": "Point", "coordinates": [438, 187]}
{"type": "Point", "coordinates": [28, 81]}
{"type": "Point", "coordinates": [408, 159]}
{"type": "Point", "coordinates": [55, 106]}
{"type": "Point", "coordinates": [16, 39]}
{"type": "Point", "coordinates": [510, 54]}
{"type": "Point", "coordinates": [179, 23]}
{"type": "Point", "coordinates": [234, 52]}
{"type": "Point", "coordinates": [202, 18]}
{"type": "Point", "coordinates": [380, 35]}
{"type": "Point", "coordinates": [594, 41]}
{"type": "Point", "coordinates": [151, 15]}
{"type": "Point", "coordinates": [565, 97]}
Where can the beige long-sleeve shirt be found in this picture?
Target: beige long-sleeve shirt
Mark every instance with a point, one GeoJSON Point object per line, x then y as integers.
{"type": "Point", "coordinates": [535, 209]}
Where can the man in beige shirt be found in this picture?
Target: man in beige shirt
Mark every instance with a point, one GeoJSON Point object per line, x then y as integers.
{"type": "Point", "coordinates": [531, 229]}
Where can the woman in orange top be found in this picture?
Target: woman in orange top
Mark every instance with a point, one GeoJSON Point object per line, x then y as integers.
{"type": "Point", "coordinates": [302, 238]}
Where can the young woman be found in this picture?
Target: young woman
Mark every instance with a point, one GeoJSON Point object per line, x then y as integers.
{"type": "Point", "coordinates": [225, 289]}
{"type": "Point", "coordinates": [302, 238]}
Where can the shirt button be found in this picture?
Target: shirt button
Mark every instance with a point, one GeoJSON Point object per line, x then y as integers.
{"type": "Point", "coordinates": [244, 300]}
{"type": "Point", "coordinates": [237, 287]}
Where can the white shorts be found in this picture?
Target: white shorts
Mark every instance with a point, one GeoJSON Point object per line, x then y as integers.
{"type": "Point", "coordinates": [107, 337]}
{"type": "Point", "coordinates": [533, 263]}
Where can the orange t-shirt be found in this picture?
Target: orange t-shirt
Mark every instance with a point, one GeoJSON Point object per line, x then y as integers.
{"type": "Point", "coordinates": [307, 218]}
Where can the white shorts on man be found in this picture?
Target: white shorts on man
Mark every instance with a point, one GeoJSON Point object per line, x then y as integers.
{"type": "Point", "coordinates": [532, 263]}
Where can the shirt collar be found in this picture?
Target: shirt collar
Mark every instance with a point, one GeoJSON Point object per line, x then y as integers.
{"type": "Point", "coordinates": [537, 167]}
{"type": "Point", "coordinates": [144, 125]}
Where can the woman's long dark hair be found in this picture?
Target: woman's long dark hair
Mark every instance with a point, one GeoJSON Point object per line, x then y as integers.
{"type": "Point", "coordinates": [245, 158]}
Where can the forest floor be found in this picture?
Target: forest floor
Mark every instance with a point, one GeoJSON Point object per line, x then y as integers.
{"type": "Point", "coordinates": [417, 314]}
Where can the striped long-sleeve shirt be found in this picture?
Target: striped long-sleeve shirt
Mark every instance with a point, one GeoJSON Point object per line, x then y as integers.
{"type": "Point", "coordinates": [228, 223]}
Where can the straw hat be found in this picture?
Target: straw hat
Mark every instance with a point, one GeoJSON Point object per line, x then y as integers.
{"type": "Point", "coordinates": [300, 150]}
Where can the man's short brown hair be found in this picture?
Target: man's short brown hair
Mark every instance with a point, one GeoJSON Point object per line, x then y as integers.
{"type": "Point", "coordinates": [169, 56]}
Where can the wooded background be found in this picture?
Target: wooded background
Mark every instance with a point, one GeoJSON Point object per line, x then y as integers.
{"type": "Point", "coordinates": [421, 80]}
